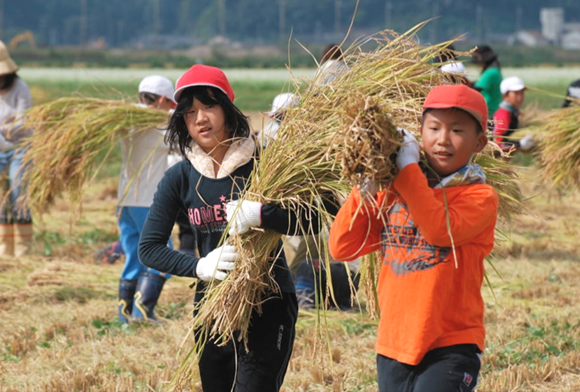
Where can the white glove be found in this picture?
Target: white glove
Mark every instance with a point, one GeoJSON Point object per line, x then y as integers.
{"type": "Point", "coordinates": [216, 262]}
{"type": "Point", "coordinates": [243, 214]}
{"type": "Point", "coordinates": [527, 142]}
{"type": "Point", "coordinates": [409, 151]}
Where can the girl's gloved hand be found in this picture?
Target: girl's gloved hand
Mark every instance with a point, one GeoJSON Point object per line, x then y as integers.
{"type": "Point", "coordinates": [243, 214]}
{"type": "Point", "coordinates": [409, 151]}
{"type": "Point", "coordinates": [217, 262]}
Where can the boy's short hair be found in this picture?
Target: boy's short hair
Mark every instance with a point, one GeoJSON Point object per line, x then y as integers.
{"type": "Point", "coordinates": [461, 97]}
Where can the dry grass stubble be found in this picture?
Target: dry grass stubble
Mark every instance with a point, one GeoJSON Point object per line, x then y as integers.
{"type": "Point", "coordinates": [59, 331]}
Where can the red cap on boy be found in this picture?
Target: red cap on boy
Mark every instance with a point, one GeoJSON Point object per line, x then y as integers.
{"type": "Point", "coordinates": [461, 97]}
{"type": "Point", "coordinates": [203, 75]}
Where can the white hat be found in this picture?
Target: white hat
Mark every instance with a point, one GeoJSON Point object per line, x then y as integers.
{"type": "Point", "coordinates": [513, 83]}
{"type": "Point", "coordinates": [282, 101]}
{"type": "Point", "coordinates": [7, 65]}
{"type": "Point", "coordinates": [158, 85]}
{"type": "Point", "coordinates": [456, 68]}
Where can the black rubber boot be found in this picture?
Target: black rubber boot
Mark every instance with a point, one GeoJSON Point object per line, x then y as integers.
{"type": "Point", "coordinates": [146, 296]}
{"type": "Point", "coordinates": [126, 293]}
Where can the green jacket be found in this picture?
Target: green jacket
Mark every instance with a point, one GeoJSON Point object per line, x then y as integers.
{"type": "Point", "coordinates": [489, 83]}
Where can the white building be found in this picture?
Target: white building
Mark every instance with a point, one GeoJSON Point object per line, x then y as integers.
{"type": "Point", "coordinates": [528, 38]}
{"type": "Point", "coordinates": [552, 20]}
{"type": "Point", "coordinates": [571, 40]}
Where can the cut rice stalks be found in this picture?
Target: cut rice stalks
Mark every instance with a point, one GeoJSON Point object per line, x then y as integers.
{"type": "Point", "coordinates": [72, 138]}
{"type": "Point", "coordinates": [558, 135]}
{"type": "Point", "coordinates": [340, 135]}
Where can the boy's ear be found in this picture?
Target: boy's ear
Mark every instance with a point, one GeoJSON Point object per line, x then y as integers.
{"type": "Point", "coordinates": [481, 141]}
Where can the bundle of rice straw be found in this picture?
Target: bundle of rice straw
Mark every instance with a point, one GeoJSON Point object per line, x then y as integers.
{"type": "Point", "coordinates": [558, 136]}
{"type": "Point", "coordinates": [71, 140]}
{"type": "Point", "coordinates": [339, 135]}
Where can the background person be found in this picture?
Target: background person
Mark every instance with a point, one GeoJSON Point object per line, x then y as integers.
{"type": "Point", "coordinates": [331, 64]}
{"type": "Point", "coordinates": [144, 162]}
{"type": "Point", "coordinates": [490, 78]}
{"type": "Point", "coordinates": [572, 92]}
{"type": "Point", "coordinates": [280, 104]}
{"type": "Point", "coordinates": [506, 118]}
{"type": "Point", "coordinates": [15, 220]}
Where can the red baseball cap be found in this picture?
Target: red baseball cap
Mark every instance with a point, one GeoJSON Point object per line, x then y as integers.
{"type": "Point", "coordinates": [458, 96]}
{"type": "Point", "coordinates": [203, 75]}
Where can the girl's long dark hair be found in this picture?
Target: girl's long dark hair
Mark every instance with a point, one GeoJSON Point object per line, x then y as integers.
{"type": "Point", "coordinates": [178, 137]}
{"type": "Point", "coordinates": [485, 56]}
{"type": "Point", "coordinates": [7, 81]}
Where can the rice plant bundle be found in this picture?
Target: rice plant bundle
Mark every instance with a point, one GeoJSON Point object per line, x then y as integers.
{"type": "Point", "coordinates": [559, 146]}
{"type": "Point", "coordinates": [502, 176]}
{"type": "Point", "coordinates": [339, 135]}
{"type": "Point", "coordinates": [72, 138]}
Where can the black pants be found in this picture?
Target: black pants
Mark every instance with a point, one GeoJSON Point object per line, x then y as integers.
{"type": "Point", "coordinates": [445, 369]}
{"type": "Point", "coordinates": [263, 367]}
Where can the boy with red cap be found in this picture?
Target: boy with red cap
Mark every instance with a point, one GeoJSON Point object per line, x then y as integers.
{"type": "Point", "coordinates": [434, 225]}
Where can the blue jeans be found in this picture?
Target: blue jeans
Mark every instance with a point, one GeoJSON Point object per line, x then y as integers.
{"type": "Point", "coordinates": [131, 221]}
{"type": "Point", "coordinates": [12, 211]}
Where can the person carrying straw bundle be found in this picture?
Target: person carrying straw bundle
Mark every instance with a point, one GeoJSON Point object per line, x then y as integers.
{"type": "Point", "coordinates": [506, 118]}
{"type": "Point", "coordinates": [144, 162]}
{"type": "Point", "coordinates": [213, 134]}
{"type": "Point", "coordinates": [434, 225]}
{"type": "Point", "coordinates": [490, 78]}
{"type": "Point", "coordinates": [15, 217]}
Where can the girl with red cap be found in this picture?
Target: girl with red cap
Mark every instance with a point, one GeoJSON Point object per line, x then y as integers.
{"type": "Point", "coordinates": [214, 137]}
{"type": "Point", "coordinates": [434, 225]}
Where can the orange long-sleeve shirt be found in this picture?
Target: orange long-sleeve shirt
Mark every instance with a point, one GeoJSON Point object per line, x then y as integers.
{"type": "Point", "coordinates": [426, 301]}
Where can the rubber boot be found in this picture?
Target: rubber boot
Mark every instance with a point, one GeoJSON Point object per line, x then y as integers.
{"type": "Point", "coordinates": [22, 238]}
{"type": "Point", "coordinates": [148, 291]}
{"type": "Point", "coordinates": [6, 239]}
{"type": "Point", "coordinates": [126, 293]}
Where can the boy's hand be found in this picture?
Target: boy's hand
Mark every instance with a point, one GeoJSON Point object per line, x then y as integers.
{"type": "Point", "coordinates": [409, 151]}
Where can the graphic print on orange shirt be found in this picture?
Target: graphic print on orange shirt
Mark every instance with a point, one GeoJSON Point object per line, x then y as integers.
{"type": "Point", "coordinates": [405, 249]}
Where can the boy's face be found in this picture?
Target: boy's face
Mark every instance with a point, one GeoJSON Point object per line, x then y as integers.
{"type": "Point", "coordinates": [516, 98]}
{"type": "Point", "coordinates": [450, 137]}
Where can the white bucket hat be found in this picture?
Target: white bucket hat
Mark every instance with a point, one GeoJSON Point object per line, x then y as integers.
{"type": "Point", "coordinates": [7, 65]}
{"type": "Point", "coordinates": [282, 101]}
{"type": "Point", "coordinates": [513, 83]}
{"type": "Point", "coordinates": [158, 85]}
{"type": "Point", "coordinates": [456, 68]}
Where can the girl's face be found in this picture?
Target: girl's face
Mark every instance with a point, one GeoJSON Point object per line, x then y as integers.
{"type": "Point", "coordinates": [450, 137]}
{"type": "Point", "coordinates": [206, 125]}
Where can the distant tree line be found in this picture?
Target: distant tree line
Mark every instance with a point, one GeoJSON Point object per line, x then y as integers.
{"type": "Point", "coordinates": [187, 22]}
